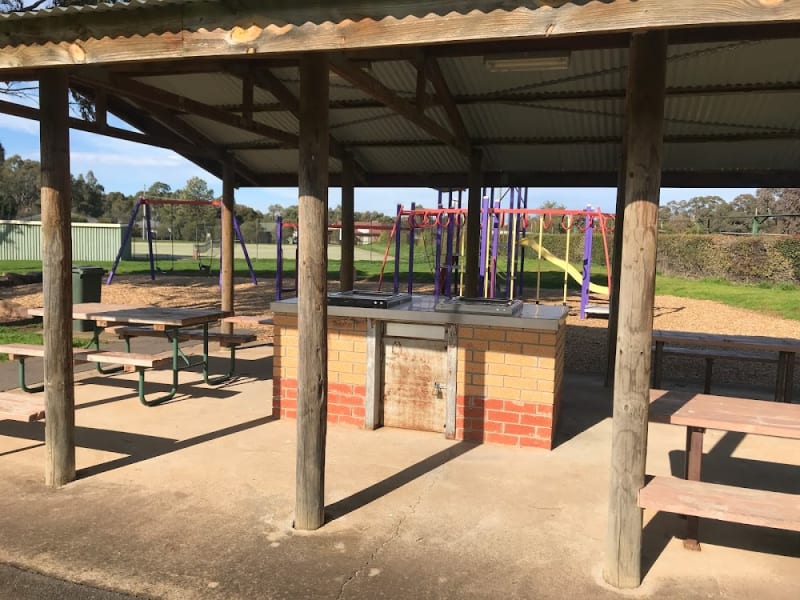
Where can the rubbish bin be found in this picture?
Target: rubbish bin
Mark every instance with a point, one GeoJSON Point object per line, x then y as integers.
{"type": "Point", "coordinates": [87, 283]}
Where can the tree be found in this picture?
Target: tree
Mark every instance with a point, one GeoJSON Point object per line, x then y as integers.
{"type": "Point", "coordinates": [788, 203]}
{"type": "Point", "coordinates": [19, 187]}
{"type": "Point", "coordinates": [117, 207]}
{"type": "Point", "coordinates": [87, 195]}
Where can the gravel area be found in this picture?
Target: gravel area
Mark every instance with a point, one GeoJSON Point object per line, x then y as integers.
{"type": "Point", "coordinates": [586, 339]}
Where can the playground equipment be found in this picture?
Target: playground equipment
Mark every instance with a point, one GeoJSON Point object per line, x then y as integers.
{"type": "Point", "coordinates": [279, 289]}
{"type": "Point", "coordinates": [504, 239]}
{"type": "Point", "coordinates": [147, 203]}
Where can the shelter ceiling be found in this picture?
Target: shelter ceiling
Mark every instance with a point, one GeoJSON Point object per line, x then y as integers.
{"type": "Point", "coordinates": [409, 108]}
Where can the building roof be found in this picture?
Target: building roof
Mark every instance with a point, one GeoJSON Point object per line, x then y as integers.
{"type": "Point", "coordinates": [411, 114]}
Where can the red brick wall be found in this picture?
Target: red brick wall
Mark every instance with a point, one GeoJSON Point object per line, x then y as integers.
{"type": "Point", "coordinates": [509, 386]}
{"type": "Point", "coordinates": [347, 360]}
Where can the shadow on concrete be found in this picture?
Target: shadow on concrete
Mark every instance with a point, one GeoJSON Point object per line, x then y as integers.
{"type": "Point", "coordinates": [135, 446]}
{"type": "Point", "coordinates": [584, 404]}
{"type": "Point", "coordinates": [370, 494]}
{"type": "Point", "coordinates": [185, 390]}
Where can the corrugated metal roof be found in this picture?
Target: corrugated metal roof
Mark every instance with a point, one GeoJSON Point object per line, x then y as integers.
{"type": "Point", "coordinates": [59, 11]}
{"type": "Point", "coordinates": [517, 120]}
{"type": "Point", "coordinates": [436, 159]}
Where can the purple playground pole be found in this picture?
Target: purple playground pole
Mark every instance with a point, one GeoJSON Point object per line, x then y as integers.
{"type": "Point", "coordinates": [493, 257]}
{"type": "Point", "coordinates": [279, 261]}
{"type": "Point", "coordinates": [125, 241]}
{"type": "Point", "coordinates": [437, 263]}
{"type": "Point", "coordinates": [397, 231]}
{"type": "Point", "coordinates": [449, 255]}
{"type": "Point", "coordinates": [149, 241]}
{"type": "Point", "coordinates": [484, 233]}
{"type": "Point", "coordinates": [587, 262]}
{"type": "Point", "coordinates": [411, 221]}
{"type": "Point", "coordinates": [511, 235]}
{"type": "Point", "coordinates": [244, 250]}
{"type": "Point", "coordinates": [522, 231]}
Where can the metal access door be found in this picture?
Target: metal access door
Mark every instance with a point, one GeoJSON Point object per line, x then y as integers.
{"type": "Point", "coordinates": [414, 383]}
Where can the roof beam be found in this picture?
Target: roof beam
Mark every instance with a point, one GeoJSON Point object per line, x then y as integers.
{"type": "Point", "coordinates": [753, 136]}
{"type": "Point", "coordinates": [153, 95]}
{"type": "Point", "coordinates": [458, 180]}
{"type": "Point", "coordinates": [170, 126]}
{"type": "Point", "coordinates": [531, 97]}
{"type": "Point", "coordinates": [27, 112]}
{"type": "Point", "coordinates": [266, 79]}
{"type": "Point", "coordinates": [434, 72]}
{"type": "Point", "coordinates": [205, 29]}
{"type": "Point", "coordinates": [371, 86]}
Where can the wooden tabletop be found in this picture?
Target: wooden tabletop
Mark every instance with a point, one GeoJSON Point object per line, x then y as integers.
{"type": "Point", "coordinates": [156, 316]}
{"type": "Point", "coordinates": [761, 417]}
{"type": "Point", "coordinates": [739, 342]}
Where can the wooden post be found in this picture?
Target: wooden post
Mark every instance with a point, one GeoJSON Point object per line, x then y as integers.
{"type": "Point", "coordinates": [473, 245]}
{"type": "Point", "coordinates": [645, 114]}
{"type": "Point", "coordinates": [346, 272]}
{"type": "Point", "coordinates": [312, 288]}
{"type": "Point", "coordinates": [226, 274]}
{"type": "Point", "coordinates": [616, 259]}
{"type": "Point", "coordinates": [59, 392]}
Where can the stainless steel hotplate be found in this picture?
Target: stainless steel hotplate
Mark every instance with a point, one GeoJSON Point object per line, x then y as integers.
{"type": "Point", "coordinates": [366, 299]}
{"type": "Point", "coordinates": [480, 306]}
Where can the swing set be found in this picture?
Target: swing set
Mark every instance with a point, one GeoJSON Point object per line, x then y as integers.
{"type": "Point", "coordinates": [199, 250]}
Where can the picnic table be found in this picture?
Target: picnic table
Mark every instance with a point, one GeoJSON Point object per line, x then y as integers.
{"type": "Point", "coordinates": [694, 498]}
{"type": "Point", "coordinates": [166, 322]}
{"type": "Point", "coordinates": [711, 346]}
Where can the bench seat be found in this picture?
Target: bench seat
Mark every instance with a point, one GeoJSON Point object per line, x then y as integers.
{"type": "Point", "coordinates": [224, 339]}
{"type": "Point", "coordinates": [21, 408]}
{"type": "Point", "coordinates": [722, 502]}
{"type": "Point", "coordinates": [709, 355]}
{"type": "Point", "coordinates": [715, 353]}
{"type": "Point", "coordinates": [18, 351]}
{"type": "Point", "coordinates": [130, 360]}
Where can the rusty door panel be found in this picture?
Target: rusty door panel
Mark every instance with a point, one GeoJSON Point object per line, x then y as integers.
{"type": "Point", "coordinates": [414, 383]}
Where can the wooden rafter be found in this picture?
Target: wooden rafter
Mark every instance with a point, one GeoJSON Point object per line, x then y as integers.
{"type": "Point", "coordinates": [168, 126]}
{"type": "Point", "coordinates": [205, 29]}
{"type": "Point", "coordinates": [784, 87]}
{"type": "Point", "coordinates": [182, 128]}
{"type": "Point", "coordinates": [153, 95]}
{"type": "Point", "coordinates": [371, 86]}
{"type": "Point", "coordinates": [749, 136]}
{"type": "Point", "coordinates": [434, 72]}
{"type": "Point", "coordinates": [266, 79]}
{"type": "Point", "coordinates": [27, 112]}
{"type": "Point", "coordinates": [748, 178]}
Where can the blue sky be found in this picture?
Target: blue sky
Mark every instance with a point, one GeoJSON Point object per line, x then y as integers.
{"type": "Point", "coordinates": [127, 167]}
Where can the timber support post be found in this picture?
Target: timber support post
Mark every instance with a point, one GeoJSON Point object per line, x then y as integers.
{"type": "Point", "coordinates": [226, 274]}
{"type": "Point", "coordinates": [473, 245]}
{"type": "Point", "coordinates": [616, 260]}
{"type": "Point", "coordinates": [59, 391]}
{"type": "Point", "coordinates": [347, 272]}
{"type": "Point", "coordinates": [312, 288]}
{"type": "Point", "coordinates": [637, 275]}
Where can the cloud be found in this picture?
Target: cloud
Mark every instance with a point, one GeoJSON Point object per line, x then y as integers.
{"type": "Point", "coordinates": [19, 125]}
{"type": "Point", "coordinates": [90, 160]}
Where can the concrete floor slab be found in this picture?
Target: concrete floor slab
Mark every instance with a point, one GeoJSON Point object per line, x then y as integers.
{"type": "Point", "coordinates": [194, 499]}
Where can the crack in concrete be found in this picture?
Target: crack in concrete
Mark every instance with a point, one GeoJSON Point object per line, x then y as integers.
{"type": "Point", "coordinates": [393, 535]}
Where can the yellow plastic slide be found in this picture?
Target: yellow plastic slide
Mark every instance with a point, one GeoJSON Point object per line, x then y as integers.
{"type": "Point", "coordinates": [562, 264]}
